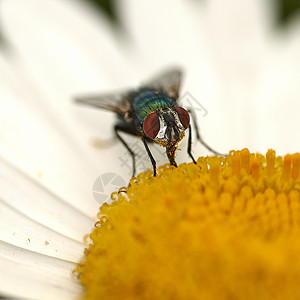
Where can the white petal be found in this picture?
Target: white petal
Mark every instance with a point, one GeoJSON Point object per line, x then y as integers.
{"type": "Point", "coordinates": [65, 42]}
{"type": "Point", "coordinates": [279, 93]}
{"type": "Point", "coordinates": [34, 258]}
{"type": "Point", "coordinates": [25, 274]}
{"type": "Point", "coordinates": [30, 199]}
{"type": "Point", "coordinates": [239, 39]}
{"type": "Point", "coordinates": [239, 33]}
{"type": "Point", "coordinates": [33, 140]}
{"type": "Point", "coordinates": [18, 230]}
{"type": "Point", "coordinates": [162, 32]}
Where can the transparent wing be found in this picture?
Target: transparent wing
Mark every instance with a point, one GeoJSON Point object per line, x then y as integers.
{"type": "Point", "coordinates": [168, 81]}
{"type": "Point", "coordinates": [115, 102]}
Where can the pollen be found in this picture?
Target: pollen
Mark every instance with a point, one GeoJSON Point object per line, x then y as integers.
{"type": "Point", "coordinates": [224, 228]}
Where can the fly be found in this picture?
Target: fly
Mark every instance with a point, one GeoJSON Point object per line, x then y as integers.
{"type": "Point", "coordinates": [152, 113]}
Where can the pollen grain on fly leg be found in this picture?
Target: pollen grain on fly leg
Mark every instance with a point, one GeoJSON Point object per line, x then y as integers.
{"type": "Point", "coordinates": [232, 220]}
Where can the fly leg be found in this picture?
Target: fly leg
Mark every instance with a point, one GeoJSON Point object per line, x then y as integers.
{"type": "Point", "coordinates": [171, 154]}
{"type": "Point", "coordinates": [127, 129]}
{"type": "Point", "coordinates": [150, 156]}
{"type": "Point", "coordinates": [189, 149]}
{"type": "Point", "coordinates": [199, 137]}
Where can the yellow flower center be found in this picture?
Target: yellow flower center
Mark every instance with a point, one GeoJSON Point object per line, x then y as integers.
{"type": "Point", "coordinates": [226, 228]}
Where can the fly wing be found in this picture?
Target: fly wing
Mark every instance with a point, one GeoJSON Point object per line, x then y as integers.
{"type": "Point", "coordinates": [169, 82]}
{"type": "Point", "coordinates": [115, 102]}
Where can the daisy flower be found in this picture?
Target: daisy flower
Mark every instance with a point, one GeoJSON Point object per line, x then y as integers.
{"type": "Point", "coordinates": [239, 67]}
{"type": "Point", "coordinates": [226, 228]}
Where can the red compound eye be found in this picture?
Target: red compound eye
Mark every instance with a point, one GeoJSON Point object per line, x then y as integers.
{"type": "Point", "coordinates": [151, 125]}
{"type": "Point", "coordinates": [183, 116]}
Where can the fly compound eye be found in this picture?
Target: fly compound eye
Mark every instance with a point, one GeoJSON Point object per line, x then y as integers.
{"type": "Point", "coordinates": [183, 116]}
{"type": "Point", "coordinates": [151, 125]}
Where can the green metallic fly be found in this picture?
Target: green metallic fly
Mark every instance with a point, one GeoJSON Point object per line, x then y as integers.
{"type": "Point", "coordinates": [152, 113]}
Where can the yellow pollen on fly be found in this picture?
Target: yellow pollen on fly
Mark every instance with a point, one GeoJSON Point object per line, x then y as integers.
{"type": "Point", "coordinates": [224, 228]}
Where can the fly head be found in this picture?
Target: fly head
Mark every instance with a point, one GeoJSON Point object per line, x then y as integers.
{"type": "Point", "coordinates": [167, 126]}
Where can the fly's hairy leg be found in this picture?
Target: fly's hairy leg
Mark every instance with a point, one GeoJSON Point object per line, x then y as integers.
{"type": "Point", "coordinates": [153, 162]}
{"type": "Point", "coordinates": [199, 138]}
{"type": "Point", "coordinates": [189, 149]}
{"type": "Point", "coordinates": [126, 129]}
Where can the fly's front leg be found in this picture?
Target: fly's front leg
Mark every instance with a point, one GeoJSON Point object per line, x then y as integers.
{"type": "Point", "coordinates": [150, 156]}
{"type": "Point", "coordinates": [171, 154]}
{"type": "Point", "coordinates": [199, 137]}
{"type": "Point", "coordinates": [126, 129]}
{"type": "Point", "coordinates": [189, 149]}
